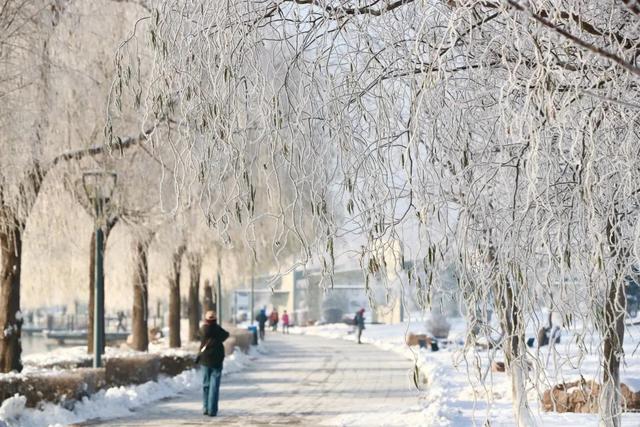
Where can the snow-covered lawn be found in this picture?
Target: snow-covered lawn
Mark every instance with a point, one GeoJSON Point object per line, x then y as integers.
{"type": "Point", "coordinates": [110, 403]}
{"type": "Point", "coordinates": [450, 395]}
{"type": "Point", "coordinates": [453, 397]}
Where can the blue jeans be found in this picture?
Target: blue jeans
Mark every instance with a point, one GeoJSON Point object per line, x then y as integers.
{"type": "Point", "coordinates": [210, 390]}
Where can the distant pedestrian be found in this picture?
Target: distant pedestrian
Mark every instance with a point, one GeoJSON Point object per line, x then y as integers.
{"type": "Point", "coordinates": [274, 319]}
{"type": "Point", "coordinates": [359, 323]}
{"type": "Point", "coordinates": [211, 357]}
{"type": "Point", "coordinates": [262, 321]}
{"type": "Point", "coordinates": [120, 326]}
{"type": "Point", "coordinates": [285, 322]}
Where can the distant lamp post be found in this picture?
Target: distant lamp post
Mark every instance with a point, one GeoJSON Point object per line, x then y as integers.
{"type": "Point", "coordinates": [99, 186]}
{"type": "Point", "coordinates": [219, 299]}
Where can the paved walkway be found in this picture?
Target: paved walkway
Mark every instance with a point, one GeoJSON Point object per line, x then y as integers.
{"type": "Point", "coordinates": [305, 381]}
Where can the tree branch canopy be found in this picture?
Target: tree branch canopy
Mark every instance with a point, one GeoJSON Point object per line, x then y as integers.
{"type": "Point", "coordinates": [375, 8]}
{"type": "Point", "coordinates": [119, 144]}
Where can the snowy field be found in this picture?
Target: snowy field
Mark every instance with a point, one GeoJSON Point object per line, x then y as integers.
{"type": "Point", "coordinates": [110, 403]}
{"type": "Point", "coordinates": [448, 397]}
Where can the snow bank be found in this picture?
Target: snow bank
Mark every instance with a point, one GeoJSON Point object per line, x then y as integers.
{"type": "Point", "coordinates": [113, 402]}
{"type": "Point", "coordinates": [452, 393]}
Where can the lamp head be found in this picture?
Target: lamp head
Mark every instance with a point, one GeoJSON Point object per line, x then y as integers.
{"type": "Point", "coordinates": [99, 186]}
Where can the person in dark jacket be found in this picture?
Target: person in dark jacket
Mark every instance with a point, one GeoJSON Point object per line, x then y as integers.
{"type": "Point", "coordinates": [262, 320]}
{"type": "Point", "coordinates": [359, 321]}
{"type": "Point", "coordinates": [210, 358]}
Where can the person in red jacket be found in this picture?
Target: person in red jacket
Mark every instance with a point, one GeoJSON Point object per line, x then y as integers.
{"type": "Point", "coordinates": [285, 322]}
{"type": "Point", "coordinates": [273, 320]}
{"type": "Point", "coordinates": [211, 357]}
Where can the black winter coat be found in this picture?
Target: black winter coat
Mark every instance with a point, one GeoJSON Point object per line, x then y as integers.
{"type": "Point", "coordinates": [212, 336]}
{"type": "Point", "coordinates": [359, 320]}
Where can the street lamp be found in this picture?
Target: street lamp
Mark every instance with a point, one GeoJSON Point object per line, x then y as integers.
{"type": "Point", "coordinates": [252, 315]}
{"type": "Point", "coordinates": [99, 186]}
{"type": "Point", "coordinates": [219, 299]}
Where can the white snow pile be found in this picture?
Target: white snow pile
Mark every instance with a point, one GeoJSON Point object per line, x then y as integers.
{"type": "Point", "coordinates": [452, 397]}
{"type": "Point", "coordinates": [113, 402]}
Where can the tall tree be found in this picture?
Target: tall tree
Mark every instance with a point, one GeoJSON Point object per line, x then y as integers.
{"type": "Point", "coordinates": [500, 128]}
{"type": "Point", "coordinates": [33, 68]}
{"type": "Point", "coordinates": [209, 303]}
{"type": "Point", "coordinates": [174, 297]}
{"type": "Point", "coordinates": [140, 281]}
{"type": "Point", "coordinates": [194, 261]}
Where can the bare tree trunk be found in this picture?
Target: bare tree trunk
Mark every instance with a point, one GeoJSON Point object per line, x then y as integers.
{"type": "Point", "coordinates": [10, 320]}
{"type": "Point", "coordinates": [613, 334]}
{"type": "Point", "coordinates": [610, 404]}
{"type": "Point", "coordinates": [139, 326]}
{"type": "Point", "coordinates": [513, 342]}
{"type": "Point", "coordinates": [515, 351]}
{"type": "Point", "coordinates": [208, 297]}
{"type": "Point", "coordinates": [195, 266]}
{"type": "Point", "coordinates": [174, 298]}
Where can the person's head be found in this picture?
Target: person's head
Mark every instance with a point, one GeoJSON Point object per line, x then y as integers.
{"type": "Point", "coordinates": [361, 311]}
{"type": "Point", "coordinates": [210, 316]}
{"type": "Point", "coordinates": [284, 312]}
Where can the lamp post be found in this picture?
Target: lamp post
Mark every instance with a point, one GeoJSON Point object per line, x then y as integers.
{"type": "Point", "coordinates": [219, 299]}
{"type": "Point", "coordinates": [253, 290]}
{"type": "Point", "coordinates": [99, 186]}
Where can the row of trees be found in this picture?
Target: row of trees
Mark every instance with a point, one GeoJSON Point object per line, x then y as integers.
{"type": "Point", "coordinates": [51, 93]}
{"type": "Point", "coordinates": [57, 62]}
{"type": "Point", "coordinates": [505, 132]}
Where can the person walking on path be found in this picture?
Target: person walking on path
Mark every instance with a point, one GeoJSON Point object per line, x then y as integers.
{"type": "Point", "coordinates": [274, 319]}
{"type": "Point", "coordinates": [285, 322]}
{"type": "Point", "coordinates": [359, 321]}
{"type": "Point", "coordinates": [211, 357]}
{"type": "Point", "coordinates": [120, 326]}
{"type": "Point", "coordinates": [262, 320]}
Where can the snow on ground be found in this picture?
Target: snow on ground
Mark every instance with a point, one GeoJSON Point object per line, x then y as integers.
{"type": "Point", "coordinates": [113, 402]}
{"type": "Point", "coordinates": [451, 396]}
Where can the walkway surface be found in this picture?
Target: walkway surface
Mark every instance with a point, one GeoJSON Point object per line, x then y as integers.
{"type": "Point", "coordinates": [301, 381]}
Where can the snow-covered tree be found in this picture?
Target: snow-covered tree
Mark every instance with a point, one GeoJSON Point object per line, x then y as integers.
{"type": "Point", "coordinates": [43, 74]}
{"type": "Point", "coordinates": [506, 129]}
